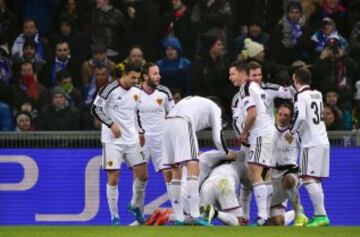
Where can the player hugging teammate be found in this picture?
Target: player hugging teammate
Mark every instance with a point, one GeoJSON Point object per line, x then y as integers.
{"type": "Point", "coordinates": [275, 160]}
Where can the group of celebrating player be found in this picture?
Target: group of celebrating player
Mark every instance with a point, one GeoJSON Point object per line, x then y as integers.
{"type": "Point", "coordinates": [141, 122]}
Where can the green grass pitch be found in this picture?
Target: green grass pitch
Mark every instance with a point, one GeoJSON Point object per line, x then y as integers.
{"type": "Point", "coordinates": [166, 231]}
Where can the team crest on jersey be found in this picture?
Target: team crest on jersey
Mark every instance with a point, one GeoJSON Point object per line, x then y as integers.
{"type": "Point", "coordinates": [110, 163]}
{"type": "Point", "coordinates": [136, 97]}
{"type": "Point", "coordinates": [159, 101]}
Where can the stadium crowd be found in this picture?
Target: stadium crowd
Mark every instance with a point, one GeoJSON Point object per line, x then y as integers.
{"type": "Point", "coordinates": [57, 54]}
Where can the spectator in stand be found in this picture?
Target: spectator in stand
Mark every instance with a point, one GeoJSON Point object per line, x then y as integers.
{"type": "Point", "coordinates": [136, 56]}
{"type": "Point", "coordinates": [78, 42]}
{"type": "Point", "coordinates": [177, 95]}
{"type": "Point", "coordinates": [8, 24]}
{"type": "Point", "coordinates": [355, 41]}
{"type": "Point", "coordinates": [332, 118]}
{"type": "Point", "coordinates": [59, 115]}
{"type": "Point", "coordinates": [109, 28]}
{"type": "Point", "coordinates": [356, 117]}
{"type": "Point", "coordinates": [62, 62]}
{"type": "Point", "coordinates": [5, 65]}
{"type": "Point", "coordinates": [212, 15]}
{"type": "Point", "coordinates": [24, 122]}
{"type": "Point", "coordinates": [73, 95]}
{"type": "Point", "coordinates": [335, 67]}
{"type": "Point", "coordinates": [101, 78]}
{"type": "Point", "coordinates": [29, 88]}
{"type": "Point", "coordinates": [289, 40]}
{"type": "Point", "coordinates": [26, 106]}
{"type": "Point", "coordinates": [336, 11]}
{"type": "Point", "coordinates": [29, 55]}
{"type": "Point", "coordinates": [177, 23]}
{"type": "Point", "coordinates": [325, 33]}
{"type": "Point", "coordinates": [98, 58]}
{"type": "Point", "coordinates": [30, 32]}
{"type": "Point", "coordinates": [209, 74]}
{"type": "Point", "coordinates": [73, 14]}
{"type": "Point", "coordinates": [271, 72]}
{"type": "Point", "coordinates": [342, 107]}
{"type": "Point", "coordinates": [6, 118]}
{"type": "Point", "coordinates": [254, 32]}
{"type": "Point", "coordinates": [174, 69]}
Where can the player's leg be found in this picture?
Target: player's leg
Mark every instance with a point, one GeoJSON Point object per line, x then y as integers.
{"type": "Point", "coordinates": [291, 185]}
{"type": "Point", "coordinates": [259, 159]}
{"type": "Point", "coordinates": [111, 162]}
{"type": "Point", "coordinates": [176, 194]}
{"type": "Point", "coordinates": [244, 201]}
{"type": "Point", "coordinates": [314, 166]}
{"type": "Point", "coordinates": [136, 160]}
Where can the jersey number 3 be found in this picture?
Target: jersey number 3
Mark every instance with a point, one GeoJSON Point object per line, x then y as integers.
{"type": "Point", "coordinates": [318, 112]}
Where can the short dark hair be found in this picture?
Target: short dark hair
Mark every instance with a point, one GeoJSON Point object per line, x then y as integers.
{"type": "Point", "coordinates": [287, 104]}
{"type": "Point", "coordinates": [240, 66]}
{"type": "Point", "coordinates": [29, 43]}
{"type": "Point", "coordinates": [131, 67]}
{"type": "Point", "coordinates": [252, 65]}
{"type": "Point", "coordinates": [62, 75]}
{"type": "Point", "coordinates": [303, 75]}
{"type": "Point", "coordinates": [28, 62]}
{"type": "Point", "coordinates": [26, 20]}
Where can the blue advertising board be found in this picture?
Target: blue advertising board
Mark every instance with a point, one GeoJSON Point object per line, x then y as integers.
{"type": "Point", "coordinates": [67, 187]}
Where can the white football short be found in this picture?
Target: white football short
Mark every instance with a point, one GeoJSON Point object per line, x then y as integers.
{"type": "Point", "coordinates": [261, 151]}
{"type": "Point", "coordinates": [153, 150]}
{"type": "Point", "coordinates": [179, 143]}
{"type": "Point", "coordinates": [315, 161]}
{"type": "Point", "coordinates": [114, 154]}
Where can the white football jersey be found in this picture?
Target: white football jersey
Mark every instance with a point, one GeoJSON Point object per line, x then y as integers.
{"type": "Point", "coordinates": [152, 110]}
{"type": "Point", "coordinates": [238, 115]}
{"type": "Point", "coordinates": [253, 96]}
{"type": "Point", "coordinates": [285, 153]}
{"type": "Point", "coordinates": [308, 118]}
{"type": "Point", "coordinates": [201, 113]}
{"type": "Point", "coordinates": [115, 104]}
{"type": "Point", "coordinates": [273, 91]}
{"type": "Point", "coordinates": [214, 163]}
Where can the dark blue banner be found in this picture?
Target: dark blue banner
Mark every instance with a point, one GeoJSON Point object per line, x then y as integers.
{"type": "Point", "coordinates": [67, 187]}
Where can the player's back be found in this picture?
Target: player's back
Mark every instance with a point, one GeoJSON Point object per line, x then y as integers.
{"type": "Point", "coordinates": [313, 131]}
{"type": "Point", "coordinates": [199, 111]}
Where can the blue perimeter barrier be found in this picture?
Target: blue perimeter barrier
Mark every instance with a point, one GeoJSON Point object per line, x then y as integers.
{"type": "Point", "coordinates": [67, 187]}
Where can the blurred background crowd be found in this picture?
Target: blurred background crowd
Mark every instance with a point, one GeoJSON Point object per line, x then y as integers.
{"type": "Point", "coordinates": [56, 54]}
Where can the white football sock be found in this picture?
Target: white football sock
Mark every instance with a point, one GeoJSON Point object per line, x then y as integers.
{"type": "Point", "coordinates": [227, 218]}
{"type": "Point", "coordinates": [138, 194]}
{"type": "Point", "coordinates": [260, 193]}
{"type": "Point", "coordinates": [316, 195]}
{"type": "Point", "coordinates": [245, 199]}
{"type": "Point", "coordinates": [192, 191]}
{"type": "Point", "coordinates": [112, 194]}
{"type": "Point", "coordinates": [177, 199]}
{"type": "Point", "coordinates": [289, 217]}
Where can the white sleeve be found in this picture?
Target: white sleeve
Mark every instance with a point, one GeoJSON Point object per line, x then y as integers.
{"type": "Point", "coordinates": [299, 114]}
{"type": "Point", "coordinates": [216, 126]}
{"type": "Point", "coordinates": [97, 110]}
{"type": "Point", "coordinates": [284, 93]}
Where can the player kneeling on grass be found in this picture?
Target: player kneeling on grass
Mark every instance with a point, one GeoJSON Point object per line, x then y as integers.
{"type": "Point", "coordinates": [218, 196]}
{"type": "Point", "coordinates": [285, 174]}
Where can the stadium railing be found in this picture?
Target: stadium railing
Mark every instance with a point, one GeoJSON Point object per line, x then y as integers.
{"type": "Point", "coordinates": [91, 139]}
